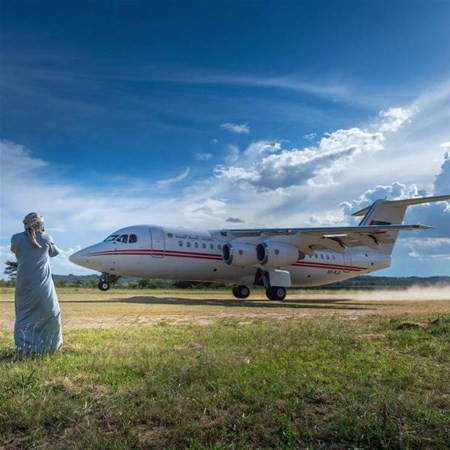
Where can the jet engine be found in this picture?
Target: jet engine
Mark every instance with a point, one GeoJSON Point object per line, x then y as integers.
{"type": "Point", "coordinates": [277, 254]}
{"type": "Point", "coordinates": [239, 254]}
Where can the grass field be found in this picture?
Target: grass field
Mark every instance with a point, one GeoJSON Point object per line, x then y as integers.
{"type": "Point", "coordinates": [198, 369]}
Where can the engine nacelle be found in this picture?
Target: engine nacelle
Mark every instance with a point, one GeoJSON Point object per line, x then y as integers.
{"type": "Point", "coordinates": [277, 254]}
{"type": "Point", "coordinates": [239, 254]}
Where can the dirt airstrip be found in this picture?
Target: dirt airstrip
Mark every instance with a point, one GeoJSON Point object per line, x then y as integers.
{"type": "Point", "coordinates": [86, 308]}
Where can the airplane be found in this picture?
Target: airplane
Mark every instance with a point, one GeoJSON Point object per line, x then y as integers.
{"type": "Point", "coordinates": [275, 258]}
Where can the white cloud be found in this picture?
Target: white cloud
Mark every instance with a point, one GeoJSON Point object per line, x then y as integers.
{"type": "Point", "coordinates": [236, 128]}
{"type": "Point", "coordinates": [232, 154]}
{"type": "Point", "coordinates": [395, 118]}
{"type": "Point", "coordinates": [442, 181]}
{"type": "Point", "coordinates": [258, 148]}
{"type": "Point", "coordinates": [428, 249]}
{"type": "Point", "coordinates": [265, 165]}
{"type": "Point", "coordinates": [168, 182]}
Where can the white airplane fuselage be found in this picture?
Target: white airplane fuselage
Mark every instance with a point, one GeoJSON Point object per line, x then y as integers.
{"type": "Point", "coordinates": [147, 251]}
{"type": "Point", "coordinates": [276, 258]}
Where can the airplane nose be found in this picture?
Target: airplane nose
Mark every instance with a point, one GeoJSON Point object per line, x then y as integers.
{"type": "Point", "coordinates": [80, 258]}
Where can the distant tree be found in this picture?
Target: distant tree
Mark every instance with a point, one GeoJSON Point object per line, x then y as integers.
{"type": "Point", "coordinates": [92, 283]}
{"type": "Point", "coordinates": [11, 269]}
{"type": "Point", "coordinates": [77, 283]}
{"type": "Point", "coordinates": [144, 283]}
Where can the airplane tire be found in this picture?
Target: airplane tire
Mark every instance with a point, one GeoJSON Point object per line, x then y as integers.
{"type": "Point", "coordinates": [241, 291]}
{"type": "Point", "coordinates": [103, 285]}
{"type": "Point", "coordinates": [276, 293]}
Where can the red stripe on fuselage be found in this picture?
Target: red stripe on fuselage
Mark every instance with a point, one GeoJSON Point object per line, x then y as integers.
{"type": "Point", "coordinates": [215, 257]}
{"type": "Point", "coordinates": [148, 252]}
{"type": "Point", "coordinates": [319, 265]}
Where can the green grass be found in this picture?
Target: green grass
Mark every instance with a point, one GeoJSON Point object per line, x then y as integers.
{"type": "Point", "coordinates": [324, 382]}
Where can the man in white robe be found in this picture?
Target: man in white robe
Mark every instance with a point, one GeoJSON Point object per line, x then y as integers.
{"type": "Point", "coordinates": [38, 318]}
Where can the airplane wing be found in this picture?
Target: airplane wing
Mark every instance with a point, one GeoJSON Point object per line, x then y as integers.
{"type": "Point", "coordinates": [332, 238]}
{"type": "Point", "coordinates": [380, 225]}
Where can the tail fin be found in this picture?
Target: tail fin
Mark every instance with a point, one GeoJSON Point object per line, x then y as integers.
{"type": "Point", "coordinates": [392, 212]}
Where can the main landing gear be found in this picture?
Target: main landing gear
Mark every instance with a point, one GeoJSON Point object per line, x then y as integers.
{"type": "Point", "coordinates": [276, 293]}
{"type": "Point", "coordinates": [241, 291]}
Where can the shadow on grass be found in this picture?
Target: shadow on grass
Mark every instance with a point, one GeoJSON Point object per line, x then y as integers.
{"type": "Point", "coordinates": [233, 303]}
{"type": "Point", "coordinates": [8, 356]}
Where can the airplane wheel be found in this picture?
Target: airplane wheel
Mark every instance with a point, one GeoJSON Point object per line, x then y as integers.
{"type": "Point", "coordinates": [276, 293]}
{"type": "Point", "coordinates": [103, 285]}
{"type": "Point", "coordinates": [241, 291]}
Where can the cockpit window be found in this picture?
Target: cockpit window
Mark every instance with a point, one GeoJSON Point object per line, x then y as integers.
{"type": "Point", "coordinates": [122, 238]}
{"type": "Point", "coordinates": [111, 238]}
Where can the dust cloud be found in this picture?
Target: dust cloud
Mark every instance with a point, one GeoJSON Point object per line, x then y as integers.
{"type": "Point", "coordinates": [412, 293]}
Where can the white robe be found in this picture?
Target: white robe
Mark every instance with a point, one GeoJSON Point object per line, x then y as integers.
{"type": "Point", "coordinates": [38, 318]}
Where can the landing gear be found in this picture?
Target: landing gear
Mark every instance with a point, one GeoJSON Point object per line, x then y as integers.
{"type": "Point", "coordinates": [104, 285]}
{"type": "Point", "coordinates": [241, 291]}
{"type": "Point", "coordinates": [276, 293]}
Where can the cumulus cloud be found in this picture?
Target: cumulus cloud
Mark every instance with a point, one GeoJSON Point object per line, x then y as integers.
{"type": "Point", "coordinates": [394, 191]}
{"type": "Point", "coordinates": [426, 249]}
{"type": "Point", "coordinates": [442, 181]}
{"type": "Point", "coordinates": [236, 128]}
{"type": "Point", "coordinates": [266, 166]}
{"type": "Point", "coordinates": [393, 119]}
{"type": "Point", "coordinates": [429, 245]}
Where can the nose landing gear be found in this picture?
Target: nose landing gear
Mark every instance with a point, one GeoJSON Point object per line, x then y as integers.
{"type": "Point", "coordinates": [103, 285]}
{"type": "Point", "coordinates": [107, 280]}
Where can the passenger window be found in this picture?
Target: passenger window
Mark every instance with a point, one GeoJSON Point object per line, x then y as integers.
{"type": "Point", "coordinates": [180, 243]}
{"type": "Point", "coordinates": [328, 256]}
{"type": "Point", "coordinates": [219, 247]}
{"type": "Point", "coordinates": [204, 245]}
{"type": "Point", "coordinates": [321, 256]}
{"type": "Point", "coordinates": [196, 245]}
{"type": "Point", "coordinates": [133, 239]}
{"type": "Point", "coordinates": [188, 244]}
{"type": "Point", "coordinates": [211, 246]}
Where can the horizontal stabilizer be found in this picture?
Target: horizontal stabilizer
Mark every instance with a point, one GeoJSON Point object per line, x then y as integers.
{"type": "Point", "coordinates": [405, 203]}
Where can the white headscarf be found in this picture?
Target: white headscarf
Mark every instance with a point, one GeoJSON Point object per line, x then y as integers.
{"type": "Point", "coordinates": [34, 223]}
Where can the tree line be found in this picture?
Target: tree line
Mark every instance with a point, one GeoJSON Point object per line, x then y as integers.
{"type": "Point", "coordinates": [91, 281]}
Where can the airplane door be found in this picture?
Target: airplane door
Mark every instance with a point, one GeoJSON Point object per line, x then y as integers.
{"type": "Point", "coordinates": [347, 257]}
{"type": "Point", "coordinates": [158, 243]}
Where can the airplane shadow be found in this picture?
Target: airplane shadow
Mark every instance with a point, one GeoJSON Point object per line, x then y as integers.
{"type": "Point", "coordinates": [235, 303]}
{"type": "Point", "coordinates": [318, 303]}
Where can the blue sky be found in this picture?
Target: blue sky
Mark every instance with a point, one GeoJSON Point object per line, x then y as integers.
{"type": "Point", "coordinates": [224, 113]}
